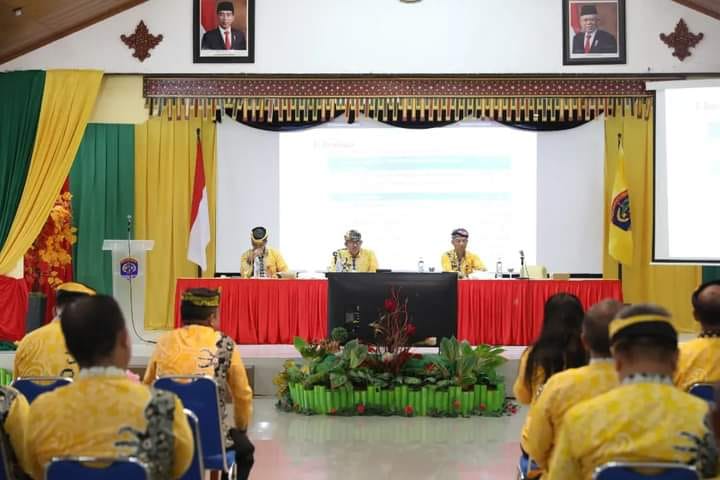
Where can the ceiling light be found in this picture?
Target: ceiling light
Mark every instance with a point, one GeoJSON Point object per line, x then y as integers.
{"type": "Point", "coordinates": [18, 11]}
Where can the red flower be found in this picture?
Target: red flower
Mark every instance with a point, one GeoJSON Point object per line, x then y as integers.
{"type": "Point", "coordinates": [456, 404]}
{"type": "Point", "coordinates": [483, 406]}
{"type": "Point", "coordinates": [410, 329]}
{"type": "Point", "coordinates": [372, 349]}
{"type": "Point", "coordinates": [409, 410]}
{"type": "Point", "coordinates": [332, 411]}
{"type": "Point", "coordinates": [390, 305]}
{"type": "Point", "coordinates": [361, 408]}
{"type": "Point", "coordinates": [429, 367]}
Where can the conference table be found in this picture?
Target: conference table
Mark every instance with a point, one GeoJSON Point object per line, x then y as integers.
{"type": "Point", "coordinates": [497, 312]}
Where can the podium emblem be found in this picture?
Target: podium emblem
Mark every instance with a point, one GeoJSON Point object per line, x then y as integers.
{"type": "Point", "coordinates": [129, 268]}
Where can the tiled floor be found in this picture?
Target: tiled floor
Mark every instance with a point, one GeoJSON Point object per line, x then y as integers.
{"type": "Point", "coordinates": [299, 447]}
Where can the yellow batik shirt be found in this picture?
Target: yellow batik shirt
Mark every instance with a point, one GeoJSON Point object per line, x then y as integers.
{"type": "Point", "coordinates": [364, 262]}
{"type": "Point", "coordinates": [561, 392]}
{"type": "Point", "coordinates": [43, 353]}
{"type": "Point", "coordinates": [699, 362]}
{"type": "Point", "coordinates": [85, 419]}
{"type": "Point", "coordinates": [191, 350]}
{"type": "Point", "coordinates": [273, 261]}
{"type": "Point", "coordinates": [470, 263]}
{"type": "Point", "coordinates": [16, 423]}
{"type": "Point", "coordinates": [645, 421]}
{"type": "Point", "coordinates": [525, 395]}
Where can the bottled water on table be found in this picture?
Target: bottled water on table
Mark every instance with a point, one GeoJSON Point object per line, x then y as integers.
{"type": "Point", "coordinates": [421, 265]}
{"type": "Point", "coordinates": [499, 268]}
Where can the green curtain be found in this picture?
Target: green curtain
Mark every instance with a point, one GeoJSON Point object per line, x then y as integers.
{"type": "Point", "coordinates": [710, 273]}
{"type": "Point", "coordinates": [21, 96]}
{"type": "Point", "coordinates": [102, 183]}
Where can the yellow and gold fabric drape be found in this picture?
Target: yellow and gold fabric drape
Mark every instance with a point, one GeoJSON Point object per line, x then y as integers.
{"type": "Point", "coordinates": [68, 100]}
{"type": "Point", "coordinates": [164, 172]}
{"type": "Point", "coordinates": [667, 285]}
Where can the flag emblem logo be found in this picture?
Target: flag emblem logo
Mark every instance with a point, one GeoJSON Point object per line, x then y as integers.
{"type": "Point", "coordinates": [129, 268]}
{"type": "Point", "coordinates": [621, 211]}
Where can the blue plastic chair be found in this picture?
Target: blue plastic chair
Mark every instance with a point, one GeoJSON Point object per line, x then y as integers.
{"type": "Point", "coordinates": [706, 391]}
{"type": "Point", "coordinates": [525, 466]}
{"type": "Point", "coordinates": [195, 472]}
{"type": "Point", "coordinates": [634, 471]}
{"type": "Point", "coordinates": [31, 387]}
{"type": "Point", "coordinates": [200, 394]}
{"type": "Point", "coordinates": [96, 468]}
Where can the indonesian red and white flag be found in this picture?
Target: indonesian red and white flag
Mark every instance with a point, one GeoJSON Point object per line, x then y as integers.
{"type": "Point", "coordinates": [200, 215]}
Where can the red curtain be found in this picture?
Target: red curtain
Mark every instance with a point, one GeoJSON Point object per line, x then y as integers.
{"type": "Point", "coordinates": [498, 312]}
{"type": "Point", "coordinates": [14, 301]}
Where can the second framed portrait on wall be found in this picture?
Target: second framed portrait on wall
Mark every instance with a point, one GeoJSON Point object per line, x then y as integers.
{"type": "Point", "coordinates": [593, 32]}
{"type": "Point", "coordinates": [223, 31]}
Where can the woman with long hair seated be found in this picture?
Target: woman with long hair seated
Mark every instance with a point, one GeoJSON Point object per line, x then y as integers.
{"type": "Point", "coordinates": [557, 348]}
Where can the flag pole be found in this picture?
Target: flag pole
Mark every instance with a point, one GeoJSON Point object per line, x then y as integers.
{"type": "Point", "coordinates": [620, 269]}
{"type": "Point", "coordinates": [197, 137]}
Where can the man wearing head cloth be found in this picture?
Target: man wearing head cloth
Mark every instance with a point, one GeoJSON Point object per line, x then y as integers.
{"type": "Point", "coordinates": [43, 352]}
{"type": "Point", "coordinates": [646, 418]}
{"type": "Point", "coordinates": [590, 39]}
{"type": "Point", "coordinates": [200, 348]}
{"type": "Point", "coordinates": [261, 261]}
{"type": "Point", "coordinates": [224, 37]}
{"type": "Point", "coordinates": [459, 259]}
{"type": "Point", "coordinates": [353, 258]}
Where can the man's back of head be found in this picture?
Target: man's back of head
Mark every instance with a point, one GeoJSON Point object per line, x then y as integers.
{"type": "Point", "coordinates": [199, 306]}
{"type": "Point", "coordinates": [644, 341]}
{"type": "Point", "coordinates": [706, 305]}
{"type": "Point", "coordinates": [595, 327]}
{"type": "Point", "coordinates": [95, 334]}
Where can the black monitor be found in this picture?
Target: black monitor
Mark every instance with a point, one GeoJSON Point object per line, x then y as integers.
{"type": "Point", "coordinates": [432, 301]}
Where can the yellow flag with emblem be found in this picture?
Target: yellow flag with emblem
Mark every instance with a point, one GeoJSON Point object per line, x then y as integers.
{"type": "Point", "coordinates": [620, 241]}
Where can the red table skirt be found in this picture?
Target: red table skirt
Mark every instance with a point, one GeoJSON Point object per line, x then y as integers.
{"type": "Point", "coordinates": [14, 301]}
{"type": "Point", "coordinates": [498, 312]}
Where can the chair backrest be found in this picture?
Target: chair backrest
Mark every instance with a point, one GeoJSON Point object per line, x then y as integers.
{"type": "Point", "coordinates": [92, 468]}
{"type": "Point", "coordinates": [645, 471]}
{"type": "Point", "coordinates": [196, 469]}
{"type": "Point", "coordinates": [537, 272]}
{"type": "Point", "coordinates": [706, 391]}
{"type": "Point", "coordinates": [199, 394]}
{"type": "Point", "coordinates": [31, 387]}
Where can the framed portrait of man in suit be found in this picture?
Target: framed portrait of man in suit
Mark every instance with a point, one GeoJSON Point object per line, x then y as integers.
{"type": "Point", "coordinates": [223, 31]}
{"type": "Point", "coordinates": [593, 32]}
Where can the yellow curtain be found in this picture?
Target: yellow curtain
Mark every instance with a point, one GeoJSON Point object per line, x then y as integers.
{"type": "Point", "coordinates": [669, 286]}
{"type": "Point", "coordinates": [68, 100]}
{"type": "Point", "coordinates": [164, 172]}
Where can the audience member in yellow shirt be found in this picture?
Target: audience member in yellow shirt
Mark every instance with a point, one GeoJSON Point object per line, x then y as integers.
{"type": "Point", "coordinates": [353, 258]}
{"type": "Point", "coordinates": [198, 348]}
{"type": "Point", "coordinates": [42, 352]}
{"type": "Point", "coordinates": [699, 360]}
{"type": "Point", "coordinates": [566, 389]}
{"type": "Point", "coordinates": [103, 413]}
{"type": "Point", "coordinates": [557, 348]}
{"type": "Point", "coordinates": [14, 410]}
{"type": "Point", "coordinates": [261, 261]}
{"type": "Point", "coordinates": [459, 259]}
{"type": "Point", "coordinates": [646, 418]}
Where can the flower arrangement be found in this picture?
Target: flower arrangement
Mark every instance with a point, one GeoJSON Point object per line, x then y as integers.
{"type": "Point", "coordinates": [385, 378]}
{"type": "Point", "coordinates": [50, 252]}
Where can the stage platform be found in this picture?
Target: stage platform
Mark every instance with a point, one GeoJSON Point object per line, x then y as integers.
{"type": "Point", "coordinates": [268, 360]}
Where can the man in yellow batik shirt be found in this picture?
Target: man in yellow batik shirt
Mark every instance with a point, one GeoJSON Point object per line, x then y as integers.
{"type": "Point", "coordinates": [353, 258]}
{"type": "Point", "coordinates": [700, 358]}
{"type": "Point", "coordinates": [459, 259]}
{"type": "Point", "coordinates": [568, 388]}
{"type": "Point", "coordinates": [199, 348]}
{"type": "Point", "coordinates": [42, 352]}
{"type": "Point", "coordinates": [261, 261]}
{"type": "Point", "coordinates": [644, 419]}
{"type": "Point", "coordinates": [103, 413]}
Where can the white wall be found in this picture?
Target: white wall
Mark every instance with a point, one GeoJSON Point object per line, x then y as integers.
{"type": "Point", "coordinates": [569, 195]}
{"type": "Point", "coordinates": [383, 36]}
